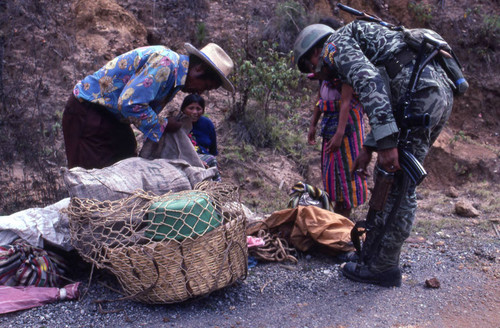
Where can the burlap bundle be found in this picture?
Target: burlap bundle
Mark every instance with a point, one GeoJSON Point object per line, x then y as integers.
{"type": "Point", "coordinates": [168, 248]}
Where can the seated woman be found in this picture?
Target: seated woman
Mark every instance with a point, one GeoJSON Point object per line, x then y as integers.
{"type": "Point", "coordinates": [203, 134]}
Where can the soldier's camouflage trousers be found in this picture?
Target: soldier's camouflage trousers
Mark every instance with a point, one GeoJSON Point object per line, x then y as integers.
{"type": "Point", "coordinates": [437, 101]}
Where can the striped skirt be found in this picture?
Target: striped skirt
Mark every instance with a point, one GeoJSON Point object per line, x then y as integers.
{"type": "Point", "coordinates": [351, 190]}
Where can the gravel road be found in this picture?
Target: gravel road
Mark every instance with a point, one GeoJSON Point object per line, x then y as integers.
{"type": "Point", "coordinates": [314, 294]}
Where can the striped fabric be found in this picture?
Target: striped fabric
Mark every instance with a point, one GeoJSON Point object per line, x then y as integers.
{"type": "Point", "coordinates": [328, 106]}
{"type": "Point", "coordinates": [24, 265]}
{"type": "Point", "coordinates": [300, 188]}
{"type": "Point", "coordinates": [211, 161]}
{"type": "Point", "coordinates": [336, 166]}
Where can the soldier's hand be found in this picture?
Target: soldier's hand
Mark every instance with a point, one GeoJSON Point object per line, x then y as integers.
{"type": "Point", "coordinates": [388, 159]}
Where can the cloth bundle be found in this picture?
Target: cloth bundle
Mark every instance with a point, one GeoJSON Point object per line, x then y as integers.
{"type": "Point", "coordinates": [24, 265]}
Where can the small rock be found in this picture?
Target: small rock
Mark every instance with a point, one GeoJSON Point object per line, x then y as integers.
{"type": "Point", "coordinates": [465, 209]}
{"type": "Point", "coordinates": [416, 240]}
{"type": "Point", "coordinates": [439, 243]}
{"type": "Point", "coordinates": [452, 192]}
{"type": "Point", "coordinates": [432, 283]}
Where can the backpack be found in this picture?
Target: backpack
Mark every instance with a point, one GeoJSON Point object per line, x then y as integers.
{"type": "Point", "coordinates": [451, 66]}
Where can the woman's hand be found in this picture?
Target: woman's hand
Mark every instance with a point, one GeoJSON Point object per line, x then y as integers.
{"type": "Point", "coordinates": [334, 143]}
{"type": "Point", "coordinates": [361, 162]}
{"type": "Point", "coordinates": [311, 136]}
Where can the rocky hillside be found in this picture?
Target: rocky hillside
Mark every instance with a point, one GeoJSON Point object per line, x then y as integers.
{"type": "Point", "coordinates": [47, 45]}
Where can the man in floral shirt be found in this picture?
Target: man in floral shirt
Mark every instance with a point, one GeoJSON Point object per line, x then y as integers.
{"type": "Point", "coordinates": [133, 88]}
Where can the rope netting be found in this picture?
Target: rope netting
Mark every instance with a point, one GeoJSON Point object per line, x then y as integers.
{"type": "Point", "coordinates": [168, 248]}
{"type": "Point", "coordinates": [275, 249]}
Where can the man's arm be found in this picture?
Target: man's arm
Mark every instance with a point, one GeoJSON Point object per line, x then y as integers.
{"type": "Point", "coordinates": [141, 91]}
{"type": "Point", "coordinates": [344, 55]}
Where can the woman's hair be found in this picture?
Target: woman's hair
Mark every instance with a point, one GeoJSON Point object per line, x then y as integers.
{"type": "Point", "coordinates": [193, 98]}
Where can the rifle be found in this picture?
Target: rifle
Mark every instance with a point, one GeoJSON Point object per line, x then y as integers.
{"type": "Point", "coordinates": [367, 17]}
{"type": "Point", "coordinates": [372, 18]}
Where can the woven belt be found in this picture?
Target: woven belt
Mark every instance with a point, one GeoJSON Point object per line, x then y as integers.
{"type": "Point", "coordinates": [394, 65]}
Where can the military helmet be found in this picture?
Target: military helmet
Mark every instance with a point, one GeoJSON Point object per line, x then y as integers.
{"type": "Point", "coordinates": [307, 38]}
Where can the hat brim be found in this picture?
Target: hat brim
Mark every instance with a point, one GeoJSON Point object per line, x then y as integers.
{"type": "Point", "coordinates": [226, 84]}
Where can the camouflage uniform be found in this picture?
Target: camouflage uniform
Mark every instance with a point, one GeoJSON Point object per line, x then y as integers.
{"type": "Point", "coordinates": [357, 54]}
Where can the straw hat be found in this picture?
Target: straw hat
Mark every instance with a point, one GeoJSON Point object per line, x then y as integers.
{"type": "Point", "coordinates": [217, 59]}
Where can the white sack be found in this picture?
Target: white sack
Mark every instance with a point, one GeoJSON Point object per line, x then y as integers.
{"type": "Point", "coordinates": [35, 225]}
{"type": "Point", "coordinates": [125, 177]}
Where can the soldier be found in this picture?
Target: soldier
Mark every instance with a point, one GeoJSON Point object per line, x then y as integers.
{"type": "Point", "coordinates": [377, 63]}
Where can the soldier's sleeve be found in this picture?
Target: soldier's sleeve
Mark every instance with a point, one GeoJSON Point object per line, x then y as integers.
{"type": "Point", "coordinates": [369, 141]}
{"type": "Point", "coordinates": [343, 54]}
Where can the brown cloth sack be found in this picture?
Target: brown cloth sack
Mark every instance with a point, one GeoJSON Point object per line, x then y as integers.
{"type": "Point", "coordinates": [174, 145]}
{"type": "Point", "coordinates": [308, 226]}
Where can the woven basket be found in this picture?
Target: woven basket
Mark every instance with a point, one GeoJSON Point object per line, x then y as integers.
{"type": "Point", "coordinates": [170, 272]}
{"type": "Point", "coordinates": [114, 236]}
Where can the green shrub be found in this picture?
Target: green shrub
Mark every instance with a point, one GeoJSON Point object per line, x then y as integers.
{"type": "Point", "coordinates": [290, 17]}
{"type": "Point", "coordinates": [201, 33]}
{"type": "Point", "coordinates": [268, 79]}
{"type": "Point", "coordinates": [267, 92]}
{"type": "Point", "coordinates": [421, 11]}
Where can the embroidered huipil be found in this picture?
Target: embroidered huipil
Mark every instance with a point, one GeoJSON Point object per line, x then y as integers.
{"type": "Point", "coordinates": [136, 85]}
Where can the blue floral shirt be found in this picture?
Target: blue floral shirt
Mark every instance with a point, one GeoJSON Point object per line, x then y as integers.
{"type": "Point", "coordinates": [136, 86]}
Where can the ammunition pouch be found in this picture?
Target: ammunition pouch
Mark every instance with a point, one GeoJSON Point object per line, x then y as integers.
{"type": "Point", "coordinates": [394, 65]}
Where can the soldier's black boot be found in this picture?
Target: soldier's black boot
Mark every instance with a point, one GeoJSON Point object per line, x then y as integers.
{"type": "Point", "coordinates": [362, 273]}
{"type": "Point", "coordinates": [379, 264]}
